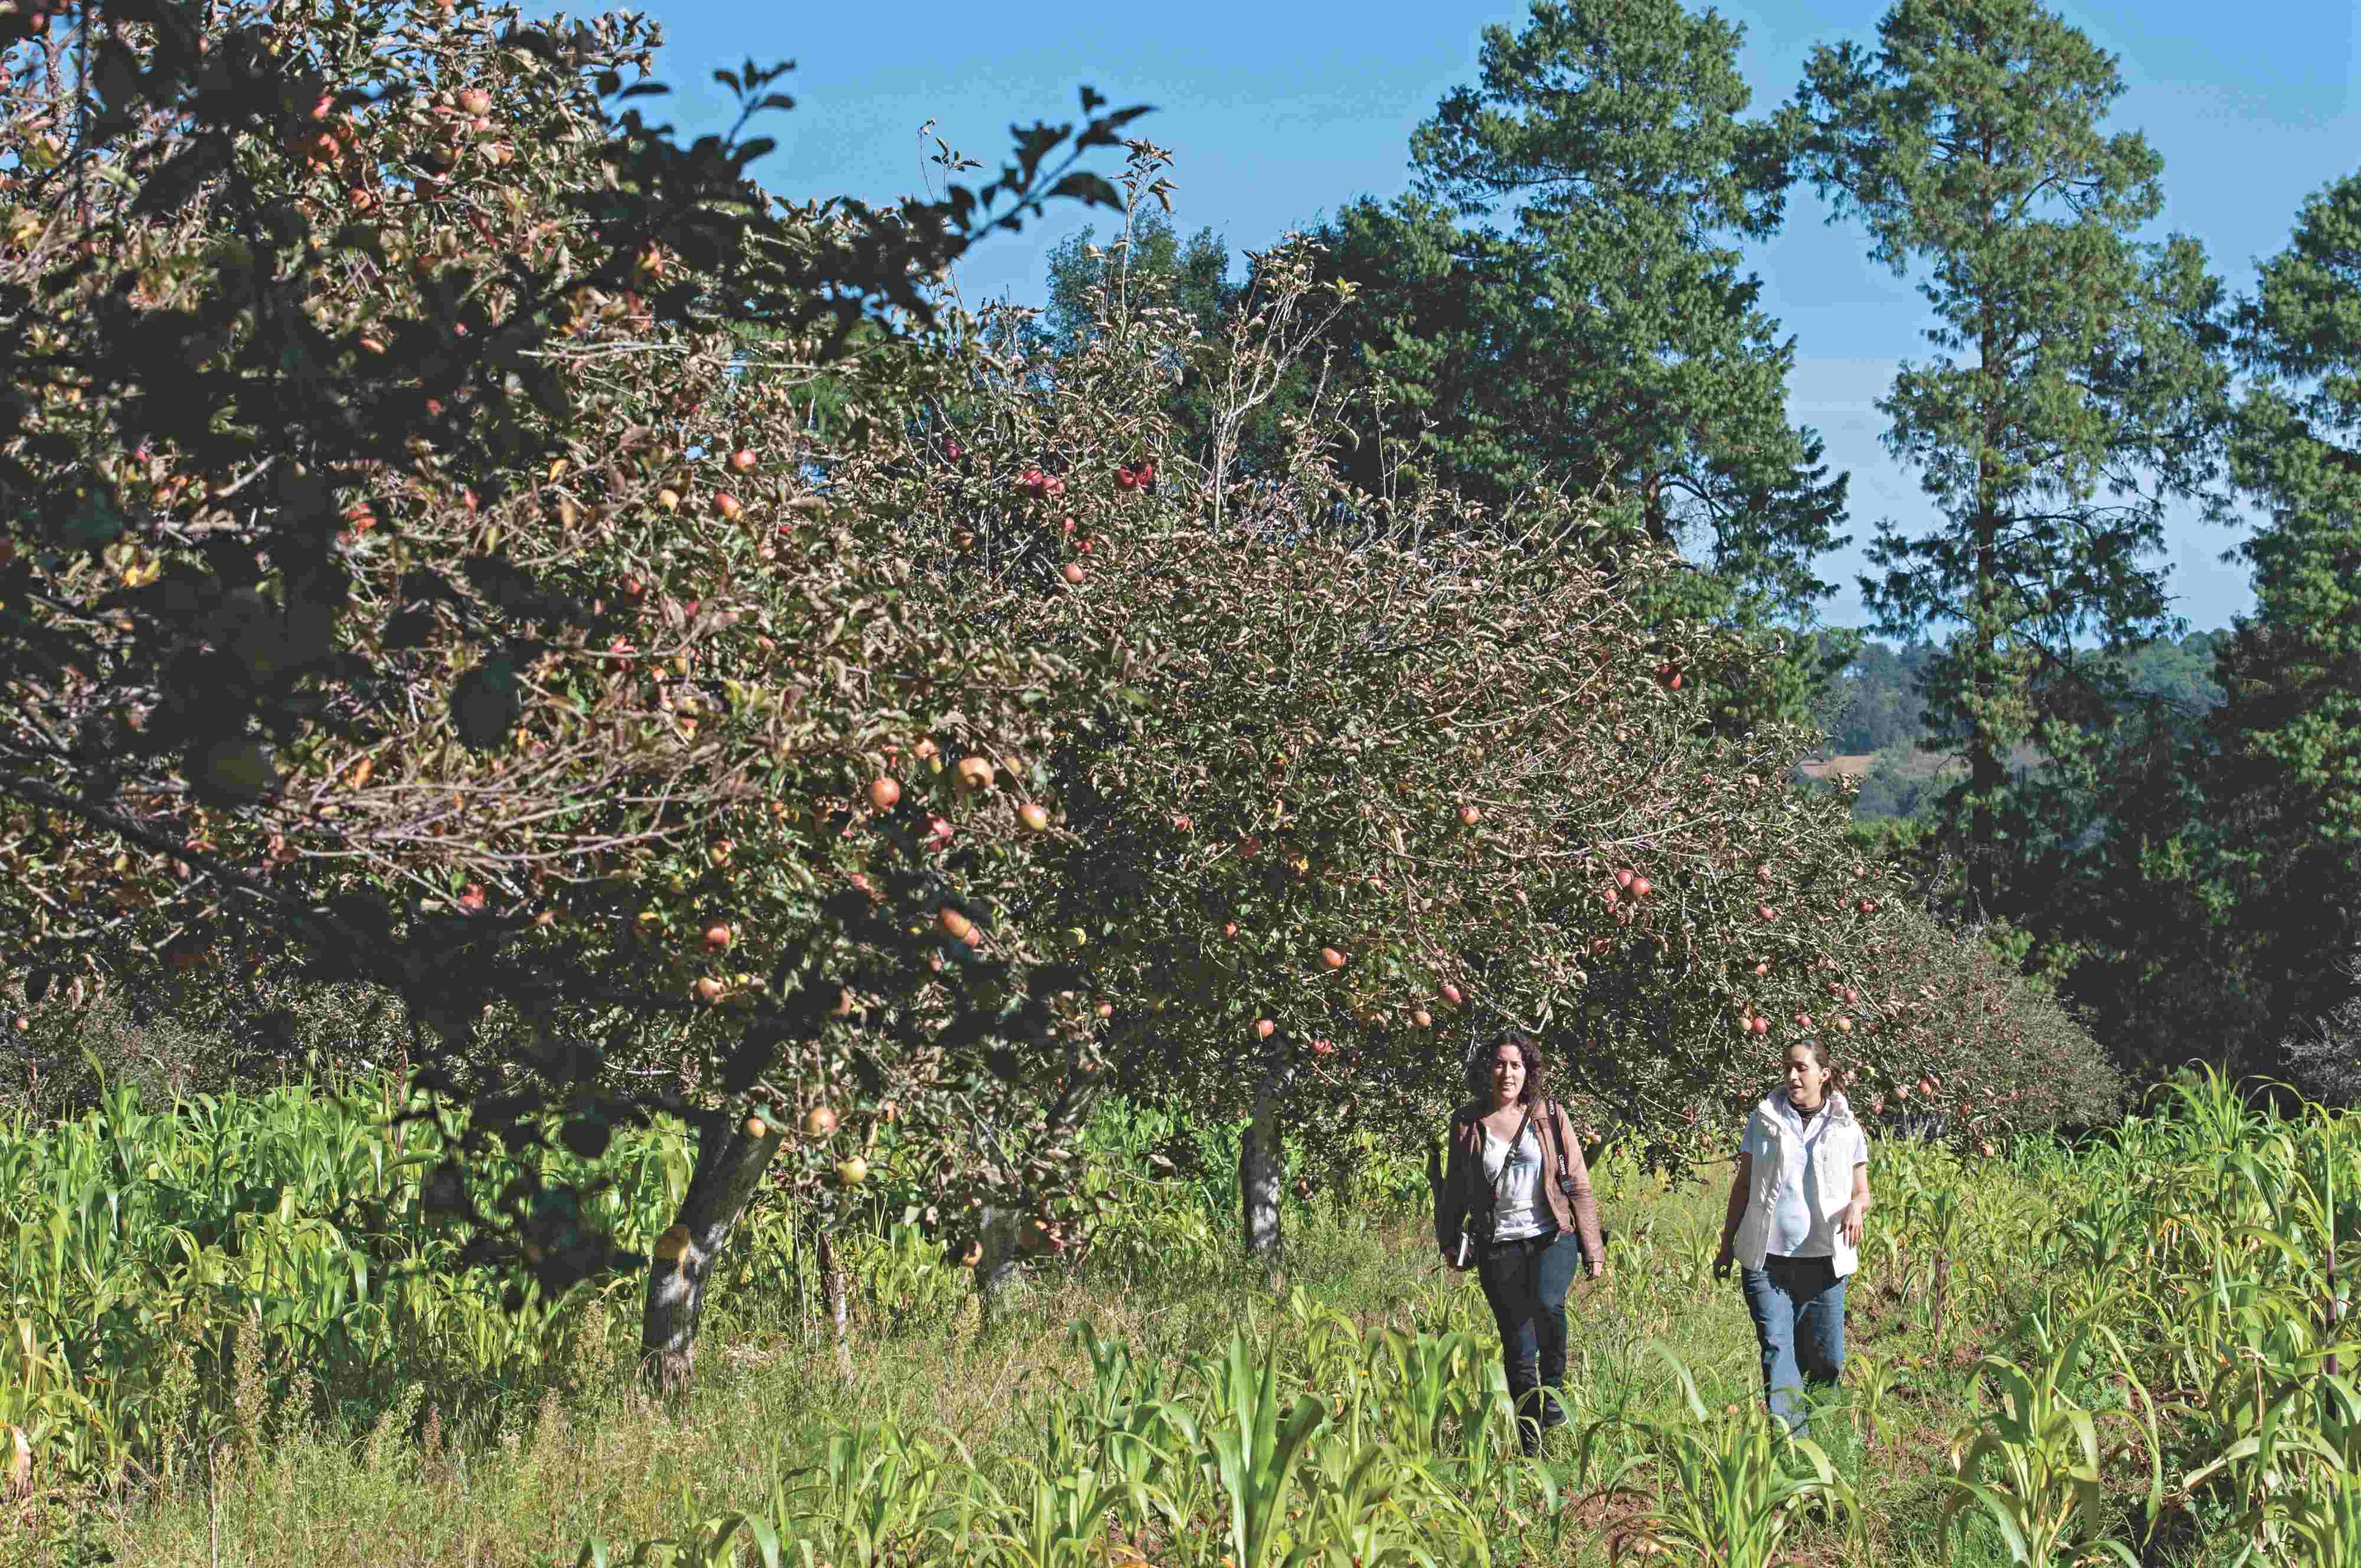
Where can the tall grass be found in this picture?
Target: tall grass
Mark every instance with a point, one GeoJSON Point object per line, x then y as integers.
{"type": "Point", "coordinates": [2135, 1352]}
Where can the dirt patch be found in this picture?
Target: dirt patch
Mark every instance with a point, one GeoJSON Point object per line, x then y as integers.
{"type": "Point", "coordinates": [1913, 762]}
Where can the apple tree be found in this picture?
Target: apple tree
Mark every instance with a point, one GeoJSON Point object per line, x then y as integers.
{"type": "Point", "coordinates": [1387, 767]}
{"type": "Point", "coordinates": [403, 574]}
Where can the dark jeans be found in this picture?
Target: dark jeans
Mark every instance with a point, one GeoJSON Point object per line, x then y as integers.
{"type": "Point", "coordinates": [1525, 1284]}
{"type": "Point", "coordinates": [1797, 1304]}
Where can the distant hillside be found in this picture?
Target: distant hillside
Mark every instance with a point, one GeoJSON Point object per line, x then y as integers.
{"type": "Point", "coordinates": [1876, 717]}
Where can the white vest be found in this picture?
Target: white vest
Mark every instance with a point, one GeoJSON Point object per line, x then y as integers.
{"type": "Point", "coordinates": [1830, 1166]}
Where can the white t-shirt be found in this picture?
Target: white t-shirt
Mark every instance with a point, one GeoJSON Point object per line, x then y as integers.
{"type": "Point", "coordinates": [1800, 1227]}
{"type": "Point", "coordinates": [1522, 1211]}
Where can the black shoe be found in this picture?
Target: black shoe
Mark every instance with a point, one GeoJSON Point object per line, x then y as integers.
{"type": "Point", "coordinates": [1529, 1439]}
{"type": "Point", "coordinates": [1552, 1409]}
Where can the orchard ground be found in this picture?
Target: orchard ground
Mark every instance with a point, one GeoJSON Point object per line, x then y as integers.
{"type": "Point", "coordinates": [955, 1440]}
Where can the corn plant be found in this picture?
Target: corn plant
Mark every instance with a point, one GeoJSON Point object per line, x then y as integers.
{"type": "Point", "coordinates": [1368, 1507]}
{"type": "Point", "coordinates": [1873, 1381]}
{"type": "Point", "coordinates": [1429, 1388]}
{"type": "Point", "coordinates": [1059, 1521]}
{"type": "Point", "coordinates": [2046, 1495]}
{"type": "Point", "coordinates": [713, 1543]}
{"type": "Point", "coordinates": [871, 1492]}
{"type": "Point", "coordinates": [1727, 1492]}
{"type": "Point", "coordinates": [1251, 1449]}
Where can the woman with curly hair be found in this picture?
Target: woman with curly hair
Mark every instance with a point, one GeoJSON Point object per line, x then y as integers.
{"type": "Point", "coordinates": [1514, 1204]}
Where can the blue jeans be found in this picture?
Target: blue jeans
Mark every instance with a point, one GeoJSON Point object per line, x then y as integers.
{"type": "Point", "coordinates": [1798, 1305]}
{"type": "Point", "coordinates": [1525, 1284]}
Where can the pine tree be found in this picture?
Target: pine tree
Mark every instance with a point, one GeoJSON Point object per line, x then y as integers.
{"type": "Point", "coordinates": [2078, 372]}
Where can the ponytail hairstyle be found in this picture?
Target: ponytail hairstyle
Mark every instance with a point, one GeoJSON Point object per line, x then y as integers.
{"type": "Point", "coordinates": [1821, 1054]}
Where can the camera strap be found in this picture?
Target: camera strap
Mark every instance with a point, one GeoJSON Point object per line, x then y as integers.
{"type": "Point", "coordinates": [1505, 1158]}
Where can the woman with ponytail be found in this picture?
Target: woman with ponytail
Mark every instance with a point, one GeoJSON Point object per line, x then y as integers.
{"type": "Point", "coordinates": [1793, 1225]}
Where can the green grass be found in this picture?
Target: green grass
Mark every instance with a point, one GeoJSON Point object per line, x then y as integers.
{"type": "Point", "coordinates": [2109, 1325]}
{"type": "Point", "coordinates": [522, 1484]}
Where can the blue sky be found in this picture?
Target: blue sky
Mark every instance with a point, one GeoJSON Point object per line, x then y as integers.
{"type": "Point", "coordinates": [1279, 113]}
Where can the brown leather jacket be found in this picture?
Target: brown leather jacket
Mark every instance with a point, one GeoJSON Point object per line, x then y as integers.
{"type": "Point", "coordinates": [1463, 1189]}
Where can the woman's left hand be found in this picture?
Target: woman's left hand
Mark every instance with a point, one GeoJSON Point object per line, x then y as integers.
{"type": "Point", "coordinates": [1852, 1220]}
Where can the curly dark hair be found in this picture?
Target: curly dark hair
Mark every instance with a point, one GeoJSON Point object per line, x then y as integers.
{"type": "Point", "coordinates": [1479, 1067]}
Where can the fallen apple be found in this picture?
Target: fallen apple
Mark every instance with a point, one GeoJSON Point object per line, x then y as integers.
{"type": "Point", "coordinates": [1033, 817]}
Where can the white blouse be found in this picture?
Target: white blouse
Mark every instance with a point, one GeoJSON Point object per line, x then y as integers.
{"type": "Point", "coordinates": [1521, 1212]}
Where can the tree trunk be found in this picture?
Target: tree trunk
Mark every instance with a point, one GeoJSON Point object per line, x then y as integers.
{"type": "Point", "coordinates": [730, 1163]}
{"type": "Point", "coordinates": [997, 1283]}
{"type": "Point", "coordinates": [831, 1278]}
{"type": "Point", "coordinates": [1262, 1174]}
{"type": "Point", "coordinates": [1983, 612]}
